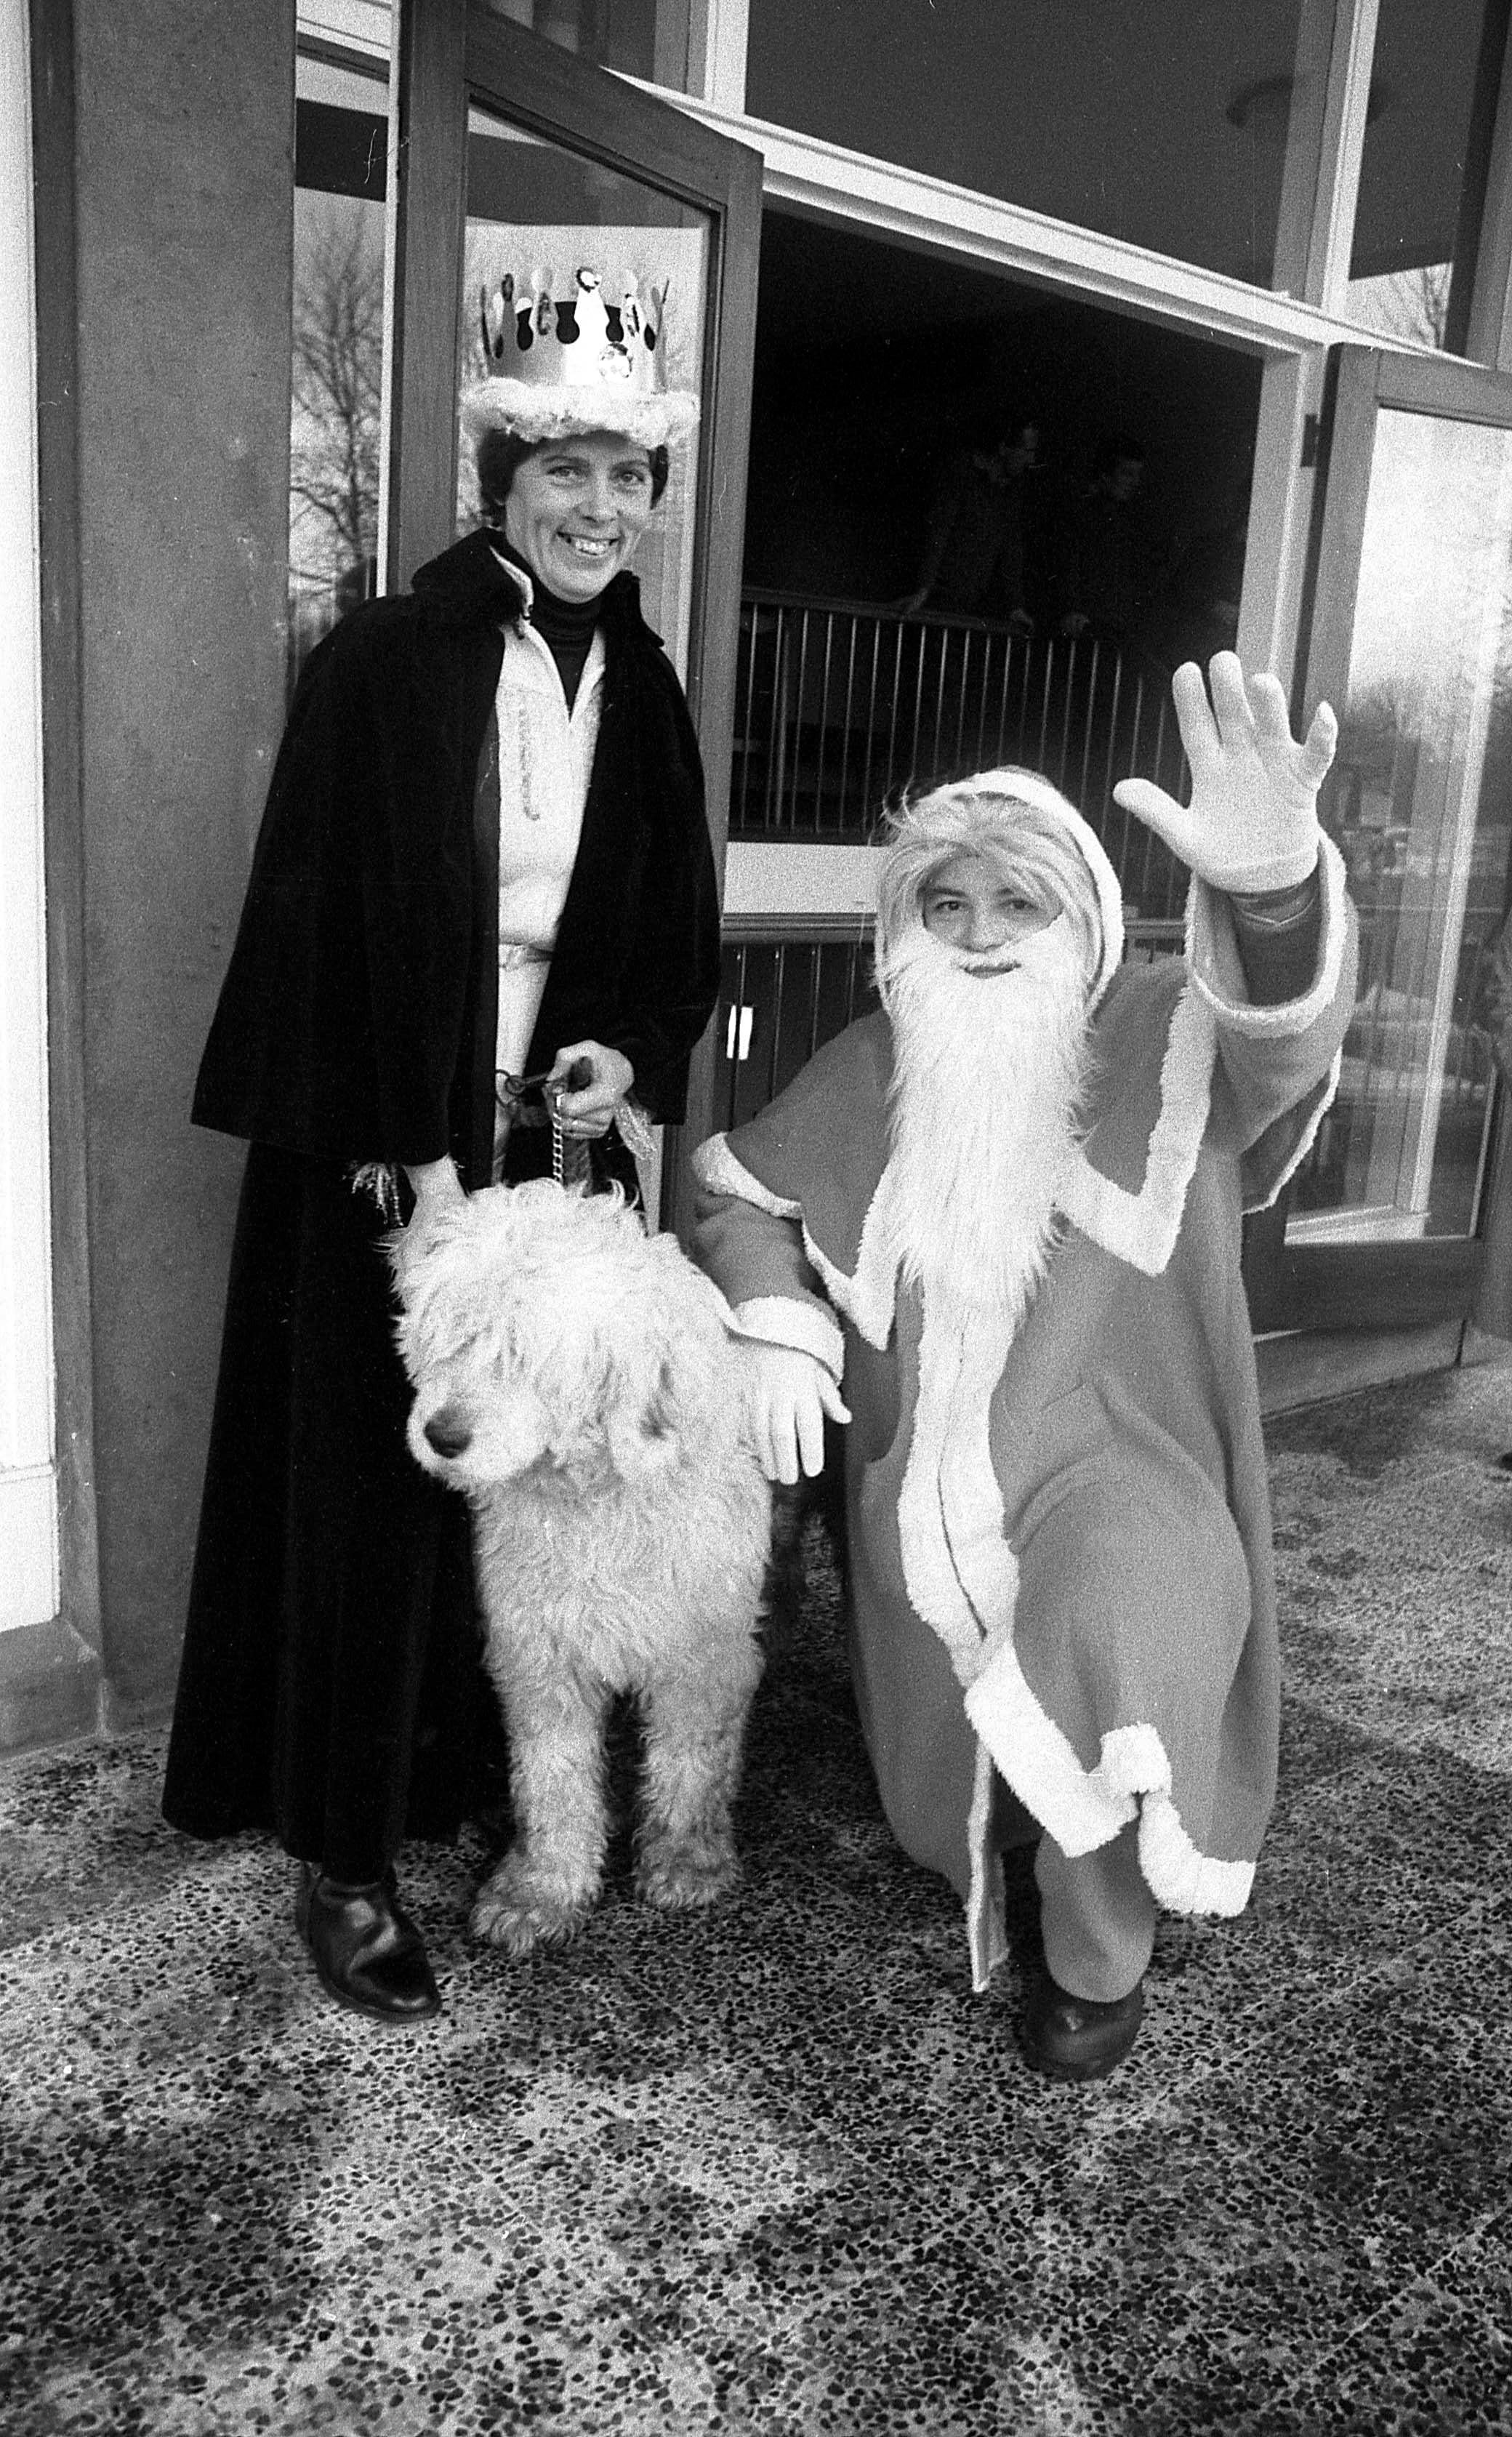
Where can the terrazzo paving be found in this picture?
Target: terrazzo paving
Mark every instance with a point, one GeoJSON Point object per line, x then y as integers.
{"type": "Point", "coordinates": [780, 2170]}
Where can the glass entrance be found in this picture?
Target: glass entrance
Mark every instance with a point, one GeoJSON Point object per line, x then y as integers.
{"type": "Point", "coordinates": [1411, 640]}
{"type": "Point", "coordinates": [517, 161]}
{"type": "Point", "coordinates": [1422, 805]}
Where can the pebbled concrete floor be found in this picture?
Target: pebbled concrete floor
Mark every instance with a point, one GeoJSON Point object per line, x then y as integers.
{"type": "Point", "coordinates": [780, 2170]}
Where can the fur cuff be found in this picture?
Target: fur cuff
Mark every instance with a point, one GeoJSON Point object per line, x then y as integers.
{"type": "Point", "coordinates": [782, 1320]}
{"type": "Point", "coordinates": [1212, 954]}
{"type": "Point", "coordinates": [717, 1169]}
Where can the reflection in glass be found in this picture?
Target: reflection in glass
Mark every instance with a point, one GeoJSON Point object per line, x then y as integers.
{"type": "Point", "coordinates": [540, 211]}
{"type": "Point", "coordinates": [640, 38]}
{"type": "Point", "coordinates": [1422, 805]}
{"type": "Point", "coordinates": [1166, 124]}
{"type": "Point", "coordinates": [1435, 83]}
{"type": "Point", "coordinates": [339, 178]}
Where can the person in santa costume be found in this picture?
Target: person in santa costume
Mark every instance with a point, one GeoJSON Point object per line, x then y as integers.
{"type": "Point", "coordinates": [995, 1229]}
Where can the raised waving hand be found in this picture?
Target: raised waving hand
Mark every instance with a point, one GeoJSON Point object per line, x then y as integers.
{"type": "Point", "coordinates": [1251, 824]}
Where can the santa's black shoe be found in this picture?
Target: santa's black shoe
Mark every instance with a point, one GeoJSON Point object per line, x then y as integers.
{"type": "Point", "coordinates": [1077, 2039]}
{"type": "Point", "coordinates": [366, 1950]}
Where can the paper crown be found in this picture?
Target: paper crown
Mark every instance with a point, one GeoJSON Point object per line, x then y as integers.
{"type": "Point", "coordinates": [558, 365]}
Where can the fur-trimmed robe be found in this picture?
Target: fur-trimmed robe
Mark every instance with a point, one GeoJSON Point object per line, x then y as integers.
{"type": "Point", "coordinates": [1060, 1547]}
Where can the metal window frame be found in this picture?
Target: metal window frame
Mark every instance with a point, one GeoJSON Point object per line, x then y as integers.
{"type": "Point", "coordinates": [1321, 186]}
{"type": "Point", "coordinates": [447, 53]}
{"type": "Point", "coordinates": [1292, 325]}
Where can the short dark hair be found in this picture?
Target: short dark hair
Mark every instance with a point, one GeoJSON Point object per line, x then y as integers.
{"type": "Point", "coordinates": [500, 454]}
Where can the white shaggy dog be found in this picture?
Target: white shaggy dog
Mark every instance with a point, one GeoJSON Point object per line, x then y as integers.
{"type": "Point", "coordinates": [576, 1379]}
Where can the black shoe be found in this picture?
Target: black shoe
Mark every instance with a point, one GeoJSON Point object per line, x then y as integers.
{"type": "Point", "coordinates": [368, 1952]}
{"type": "Point", "coordinates": [1077, 2039]}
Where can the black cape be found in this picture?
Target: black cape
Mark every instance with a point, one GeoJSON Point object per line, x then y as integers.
{"type": "Point", "coordinates": [356, 1019]}
{"type": "Point", "coordinates": [330, 1687]}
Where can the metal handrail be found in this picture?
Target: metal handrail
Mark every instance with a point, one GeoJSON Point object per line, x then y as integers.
{"type": "Point", "coordinates": [842, 705]}
{"type": "Point", "coordinates": [767, 596]}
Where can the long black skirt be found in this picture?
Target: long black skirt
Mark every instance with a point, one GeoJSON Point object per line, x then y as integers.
{"type": "Point", "coordinates": [331, 1688]}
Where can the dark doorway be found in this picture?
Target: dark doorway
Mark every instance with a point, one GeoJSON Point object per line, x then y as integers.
{"type": "Point", "coordinates": [986, 521]}
{"type": "Point", "coordinates": [874, 363]}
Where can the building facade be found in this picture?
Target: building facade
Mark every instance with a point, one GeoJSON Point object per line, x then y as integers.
{"type": "Point", "coordinates": [1041, 346]}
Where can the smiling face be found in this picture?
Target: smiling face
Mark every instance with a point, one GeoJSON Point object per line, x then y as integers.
{"type": "Point", "coordinates": [577, 508]}
{"type": "Point", "coordinates": [972, 905]}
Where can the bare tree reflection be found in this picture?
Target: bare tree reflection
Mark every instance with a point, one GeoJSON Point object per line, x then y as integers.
{"type": "Point", "coordinates": [1411, 305]}
{"type": "Point", "coordinates": [338, 357]}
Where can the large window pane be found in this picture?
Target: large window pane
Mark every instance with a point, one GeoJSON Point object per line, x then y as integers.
{"type": "Point", "coordinates": [340, 174]}
{"type": "Point", "coordinates": [1433, 93]}
{"type": "Point", "coordinates": [1165, 124]}
{"type": "Point", "coordinates": [1421, 803]}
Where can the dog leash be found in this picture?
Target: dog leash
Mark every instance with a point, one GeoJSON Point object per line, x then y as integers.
{"type": "Point", "coordinates": [570, 1162]}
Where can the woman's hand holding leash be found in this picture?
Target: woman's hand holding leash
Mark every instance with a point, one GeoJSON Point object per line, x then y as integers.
{"type": "Point", "coordinates": [585, 1087]}
{"type": "Point", "coordinates": [1252, 825]}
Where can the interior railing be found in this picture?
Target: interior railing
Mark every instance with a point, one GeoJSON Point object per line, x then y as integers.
{"type": "Point", "coordinates": [843, 705]}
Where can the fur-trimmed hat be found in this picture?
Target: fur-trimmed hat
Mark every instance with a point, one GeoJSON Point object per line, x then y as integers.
{"type": "Point", "coordinates": [576, 363]}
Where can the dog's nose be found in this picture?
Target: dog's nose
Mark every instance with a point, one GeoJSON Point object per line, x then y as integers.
{"type": "Point", "coordinates": [448, 1433]}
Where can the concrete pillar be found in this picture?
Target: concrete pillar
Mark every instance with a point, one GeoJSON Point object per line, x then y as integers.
{"type": "Point", "coordinates": [184, 192]}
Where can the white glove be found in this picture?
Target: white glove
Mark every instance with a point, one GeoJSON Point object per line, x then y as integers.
{"type": "Point", "coordinates": [789, 1393]}
{"type": "Point", "coordinates": [1251, 824]}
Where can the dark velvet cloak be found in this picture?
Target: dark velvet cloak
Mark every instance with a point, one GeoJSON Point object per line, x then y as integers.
{"type": "Point", "coordinates": [330, 1687]}
{"type": "Point", "coordinates": [364, 973]}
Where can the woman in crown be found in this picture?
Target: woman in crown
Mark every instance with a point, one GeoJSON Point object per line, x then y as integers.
{"type": "Point", "coordinates": [483, 859]}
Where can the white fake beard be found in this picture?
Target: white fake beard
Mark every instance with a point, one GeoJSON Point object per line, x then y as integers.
{"type": "Point", "coordinates": [983, 1112]}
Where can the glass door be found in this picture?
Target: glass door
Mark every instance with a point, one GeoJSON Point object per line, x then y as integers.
{"type": "Point", "coordinates": [515, 158]}
{"type": "Point", "coordinates": [1410, 639]}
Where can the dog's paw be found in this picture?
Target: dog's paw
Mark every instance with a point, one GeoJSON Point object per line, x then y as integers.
{"type": "Point", "coordinates": [510, 1912]}
{"type": "Point", "coordinates": [685, 1877]}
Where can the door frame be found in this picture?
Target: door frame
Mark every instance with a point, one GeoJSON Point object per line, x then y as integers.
{"type": "Point", "coordinates": [449, 55]}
